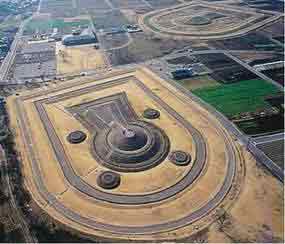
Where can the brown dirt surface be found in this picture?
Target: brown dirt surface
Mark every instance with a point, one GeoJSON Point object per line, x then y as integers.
{"type": "Point", "coordinates": [79, 58]}
{"type": "Point", "coordinates": [252, 209]}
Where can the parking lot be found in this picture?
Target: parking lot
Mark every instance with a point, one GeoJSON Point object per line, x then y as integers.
{"type": "Point", "coordinates": [34, 61]}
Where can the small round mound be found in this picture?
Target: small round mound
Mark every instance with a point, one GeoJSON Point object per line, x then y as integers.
{"type": "Point", "coordinates": [108, 180]}
{"type": "Point", "coordinates": [76, 137]}
{"type": "Point", "coordinates": [180, 158]}
{"type": "Point", "coordinates": [198, 20]}
{"type": "Point", "coordinates": [151, 113]}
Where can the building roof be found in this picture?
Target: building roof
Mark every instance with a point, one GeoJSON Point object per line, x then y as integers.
{"type": "Point", "coordinates": [86, 36]}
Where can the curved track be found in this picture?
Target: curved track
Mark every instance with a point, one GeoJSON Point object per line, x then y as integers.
{"type": "Point", "coordinates": [82, 186]}
{"type": "Point", "coordinates": [87, 189]}
{"type": "Point", "coordinates": [150, 23]}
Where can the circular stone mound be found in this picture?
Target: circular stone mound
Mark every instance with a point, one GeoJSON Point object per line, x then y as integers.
{"type": "Point", "coordinates": [198, 20]}
{"type": "Point", "coordinates": [108, 180]}
{"type": "Point", "coordinates": [76, 137]}
{"type": "Point", "coordinates": [131, 139]}
{"type": "Point", "coordinates": [131, 148]}
{"type": "Point", "coordinates": [150, 113]}
{"type": "Point", "coordinates": [180, 158]}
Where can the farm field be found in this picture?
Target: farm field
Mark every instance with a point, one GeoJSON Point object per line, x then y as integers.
{"type": "Point", "coordinates": [225, 69]}
{"type": "Point", "coordinates": [11, 22]}
{"type": "Point", "coordinates": [275, 151]}
{"type": "Point", "coordinates": [162, 3]}
{"type": "Point", "coordinates": [182, 60]}
{"type": "Point", "coordinates": [266, 125]}
{"type": "Point", "coordinates": [232, 99]}
{"type": "Point", "coordinates": [107, 22]}
{"type": "Point", "coordinates": [198, 82]}
{"type": "Point", "coordinates": [64, 26]}
{"type": "Point", "coordinates": [266, 5]}
{"type": "Point", "coordinates": [85, 6]}
{"type": "Point", "coordinates": [143, 48]}
{"type": "Point", "coordinates": [252, 41]}
{"type": "Point", "coordinates": [59, 8]}
{"type": "Point", "coordinates": [128, 3]}
{"type": "Point", "coordinates": [113, 41]}
{"type": "Point", "coordinates": [216, 61]}
{"type": "Point", "coordinates": [275, 31]}
{"type": "Point", "coordinates": [276, 74]}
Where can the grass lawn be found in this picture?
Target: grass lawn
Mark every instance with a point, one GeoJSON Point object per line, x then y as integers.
{"type": "Point", "coordinates": [235, 98]}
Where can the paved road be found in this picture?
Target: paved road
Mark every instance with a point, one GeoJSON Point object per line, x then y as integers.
{"type": "Point", "coordinates": [8, 61]}
{"type": "Point", "coordinates": [20, 219]}
{"type": "Point", "coordinates": [259, 74]}
{"type": "Point", "coordinates": [204, 210]}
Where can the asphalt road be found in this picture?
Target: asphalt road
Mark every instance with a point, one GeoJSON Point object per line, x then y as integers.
{"type": "Point", "coordinates": [8, 61]}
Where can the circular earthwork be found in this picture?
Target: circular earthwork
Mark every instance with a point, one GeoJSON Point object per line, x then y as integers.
{"type": "Point", "coordinates": [76, 137]}
{"type": "Point", "coordinates": [180, 158]}
{"type": "Point", "coordinates": [139, 146]}
{"type": "Point", "coordinates": [151, 113]}
{"type": "Point", "coordinates": [108, 180]}
{"type": "Point", "coordinates": [152, 142]}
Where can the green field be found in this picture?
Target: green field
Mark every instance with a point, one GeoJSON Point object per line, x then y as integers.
{"type": "Point", "coordinates": [45, 26]}
{"type": "Point", "coordinates": [243, 96]}
{"type": "Point", "coordinates": [198, 82]}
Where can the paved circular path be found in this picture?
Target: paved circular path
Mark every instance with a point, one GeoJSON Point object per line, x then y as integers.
{"type": "Point", "coordinates": [78, 183]}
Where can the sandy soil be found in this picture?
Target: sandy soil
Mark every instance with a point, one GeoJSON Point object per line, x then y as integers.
{"type": "Point", "coordinates": [79, 59]}
{"type": "Point", "coordinates": [256, 214]}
